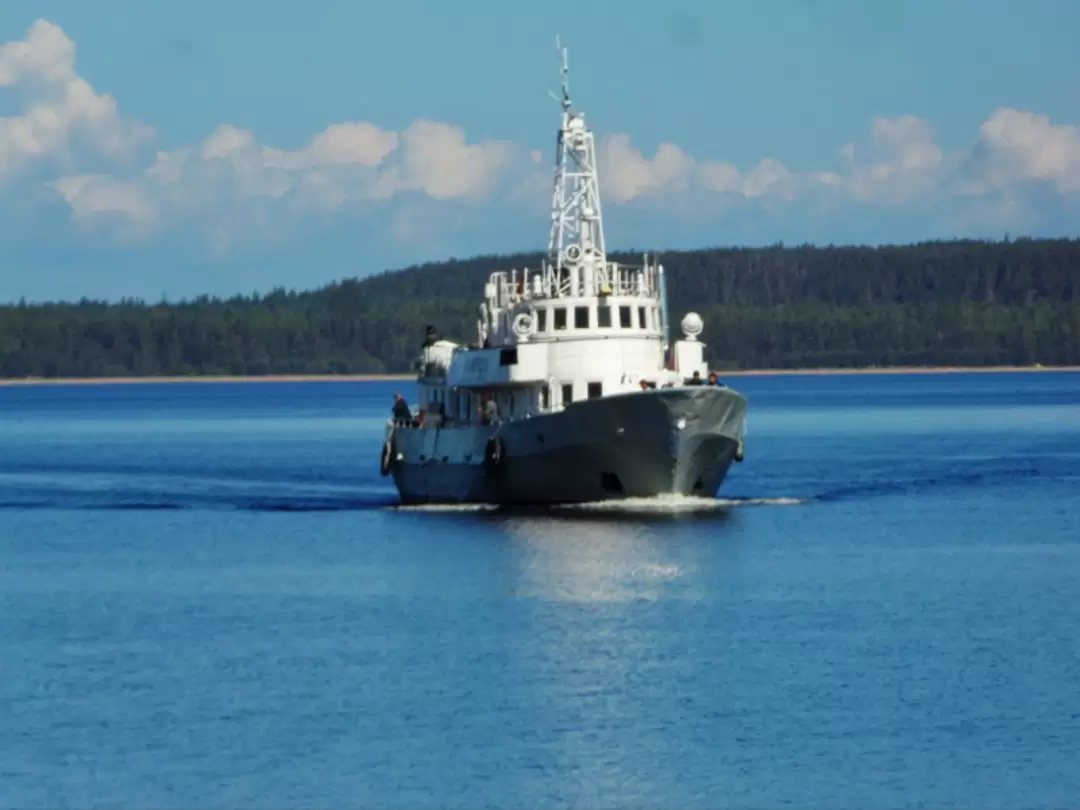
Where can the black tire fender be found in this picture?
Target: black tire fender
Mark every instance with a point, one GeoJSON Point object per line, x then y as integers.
{"type": "Point", "coordinates": [494, 451]}
{"type": "Point", "coordinates": [389, 457]}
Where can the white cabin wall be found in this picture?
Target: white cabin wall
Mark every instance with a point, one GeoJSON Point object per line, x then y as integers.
{"type": "Point", "coordinates": [690, 357]}
{"type": "Point", "coordinates": [618, 363]}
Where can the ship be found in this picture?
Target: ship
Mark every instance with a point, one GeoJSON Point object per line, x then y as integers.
{"type": "Point", "coordinates": [572, 391]}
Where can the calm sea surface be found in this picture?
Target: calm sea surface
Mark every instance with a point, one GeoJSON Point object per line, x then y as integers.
{"type": "Point", "coordinates": [208, 600]}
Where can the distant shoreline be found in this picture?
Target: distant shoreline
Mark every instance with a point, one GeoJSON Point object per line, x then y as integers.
{"type": "Point", "coordinates": [286, 378]}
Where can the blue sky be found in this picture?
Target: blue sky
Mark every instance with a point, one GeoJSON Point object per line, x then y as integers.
{"type": "Point", "coordinates": [161, 148]}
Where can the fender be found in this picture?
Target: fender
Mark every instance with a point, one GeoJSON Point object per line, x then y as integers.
{"type": "Point", "coordinates": [494, 451]}
{"type": "Point", "coordinates": [389, 457]}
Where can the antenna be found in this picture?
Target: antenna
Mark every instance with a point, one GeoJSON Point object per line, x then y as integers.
{"type": "Point", "coordinates": [577, 228]}
{"type": "Point", "coordinates": [565, 100]}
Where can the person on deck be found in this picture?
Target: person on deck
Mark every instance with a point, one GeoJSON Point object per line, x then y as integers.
{"type": "Point", "coordinates": [489, 410]}
{"type": "Point", "coordinates": [695, 379]}
{"type": "Point", "coordinates": [402, 414]}
{"type": "Point", "coordinates": [713, 380]}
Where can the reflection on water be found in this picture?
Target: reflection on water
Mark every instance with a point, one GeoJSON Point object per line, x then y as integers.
{"type": "Point", "coordinates": [604, 553]}
{"type": "Point", "coordinates": [591, 561]}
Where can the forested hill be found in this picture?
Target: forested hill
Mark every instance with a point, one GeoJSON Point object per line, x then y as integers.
{"type": "Point", "coordinates": [937, 303]}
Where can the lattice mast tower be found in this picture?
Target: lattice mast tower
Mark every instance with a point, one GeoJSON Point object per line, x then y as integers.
{"type": "Point", "coordinates": [577, 223]}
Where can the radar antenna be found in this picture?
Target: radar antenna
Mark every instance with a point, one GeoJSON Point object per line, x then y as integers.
{"type": "Point", "coordinates": [565, 75]}
{"type": "Point", "coordinates": [577, 226]}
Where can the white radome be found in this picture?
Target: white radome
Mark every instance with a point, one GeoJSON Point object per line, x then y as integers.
{"type": "Point", "coordinates": [692, 325]}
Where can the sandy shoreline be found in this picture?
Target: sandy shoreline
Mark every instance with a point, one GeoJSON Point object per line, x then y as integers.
{"type": "Point", "coordinates": [285, 378]}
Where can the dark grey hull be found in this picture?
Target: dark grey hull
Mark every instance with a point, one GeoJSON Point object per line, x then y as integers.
{"type": "Point", "coordinates": [669, 441]}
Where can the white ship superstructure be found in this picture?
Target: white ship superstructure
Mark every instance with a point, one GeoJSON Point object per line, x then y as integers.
{"type": "Point", "coordinates": [571, 391]}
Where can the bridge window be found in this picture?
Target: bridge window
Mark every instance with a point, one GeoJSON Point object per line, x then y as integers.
{"type": "Point", "coordinates": [596, 390]}
{"type": "Point", "coordinates": [541, 320]}
{"type": "Point", "coordinates": [603, 317]}
{"type": "Point", "coordinates": [560, 318]}
{"type": "Point", "coordinates": [642, 318]}
{"type": "Point", "coordinates": [624, 318]}
{"type": "Point", "coordinates": [567, 394]}
{"type": "Point", "coordinates": [581, 317]}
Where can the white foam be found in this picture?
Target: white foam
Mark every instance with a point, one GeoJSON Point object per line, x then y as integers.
{"type": "Point", "coordinates": [657, 504]}
{"type": "Point", "coordinates": [681, 503]}
{"type": "Point", "coordinates": [766, 501]}
{"type": "Point", "coordinates": [445, 507]}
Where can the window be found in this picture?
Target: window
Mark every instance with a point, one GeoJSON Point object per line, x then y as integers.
{"type": "Point", "coordinates": [541, 320]}
{"type": "Point", "coordinates": [595, 390]}
{"type": "Point", "coordinates": [508, 357]}
{"type": "Point", "coordinates": [545, 398]}
{"type": "Point", "coordinates": [581, 317]}
{"type": "Point", "coordinates": [567, 394]}
{"type": "Point", "coordinates": [624, 317]}
{"type": "Point", "coordinates": [560, 318]}
{"type": "Point", "coordinates": [642, 318]}
{"type": "Point", "coordinates": [603, 317]}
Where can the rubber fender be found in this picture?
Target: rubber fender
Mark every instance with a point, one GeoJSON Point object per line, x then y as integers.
{"type": "Point", "coordinates": [494, 452]}
{"type": "Point", "coordinates": [389, 457]}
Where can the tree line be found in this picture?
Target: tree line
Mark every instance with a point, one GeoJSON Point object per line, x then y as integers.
{"type": "Point", "coordinates": [962, 302]}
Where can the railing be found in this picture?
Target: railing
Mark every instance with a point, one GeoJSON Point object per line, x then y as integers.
{"type": "Point", "coordinates": [612, 278]}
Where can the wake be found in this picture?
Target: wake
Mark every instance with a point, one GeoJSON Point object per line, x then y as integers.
{"type": "Point", "coordinates": [665, 504]}
{"type": "Point", "coordinates": [141, 490]}
{"type": "Point", "coordinates": [133, 492]}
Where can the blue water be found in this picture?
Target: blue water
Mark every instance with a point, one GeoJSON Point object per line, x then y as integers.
{"type": "Point", "coordinates": [208, 599]}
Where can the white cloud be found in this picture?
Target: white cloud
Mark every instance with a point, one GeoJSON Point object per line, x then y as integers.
{"type": "Point", "coordinates": [63, 112]}
{"type": "Point", "coordinates": [626, 174]}
{"type": "Point", "coordinates": [94, 195]}
{"type": "Point", "coordinates": [1017, 147]}
{"type": "Point", "coordinates": [65, 120]}
{"type": "Point", "coordinates": [438, 162]}
{"type": "Point", "coordinates": [78, 144]}
{"type": "Point", "coordinates": [347, 163]}
{"type": "Point", "coordinates": [900, 164]}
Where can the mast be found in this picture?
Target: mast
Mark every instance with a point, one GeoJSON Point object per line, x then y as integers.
{"type": "Point", "coordinates": [577, 224]}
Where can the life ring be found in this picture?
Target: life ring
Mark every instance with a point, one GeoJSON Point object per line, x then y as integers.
{"type": "Point", "coordinates": [522, 324]}
{"type": "Point", "coordinates": [494, 452]}
{"type": "Point", "coordinates": [389, 457]}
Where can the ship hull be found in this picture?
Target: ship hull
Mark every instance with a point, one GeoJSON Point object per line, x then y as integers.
{"type": "Point", "coordinates": [642, 444]}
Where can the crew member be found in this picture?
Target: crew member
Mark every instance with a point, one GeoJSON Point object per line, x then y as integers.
{"type": "Point", "coordinates": [489, 410]}
{"type": "Point", "coordinates": [402, 414]}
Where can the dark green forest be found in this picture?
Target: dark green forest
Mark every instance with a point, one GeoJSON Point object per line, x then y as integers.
{"type": "Point", "coordinates": [968, 303]}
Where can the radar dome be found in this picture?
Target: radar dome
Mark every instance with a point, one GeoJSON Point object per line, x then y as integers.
{"type": "Point", "coordinates": [692, 325]}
